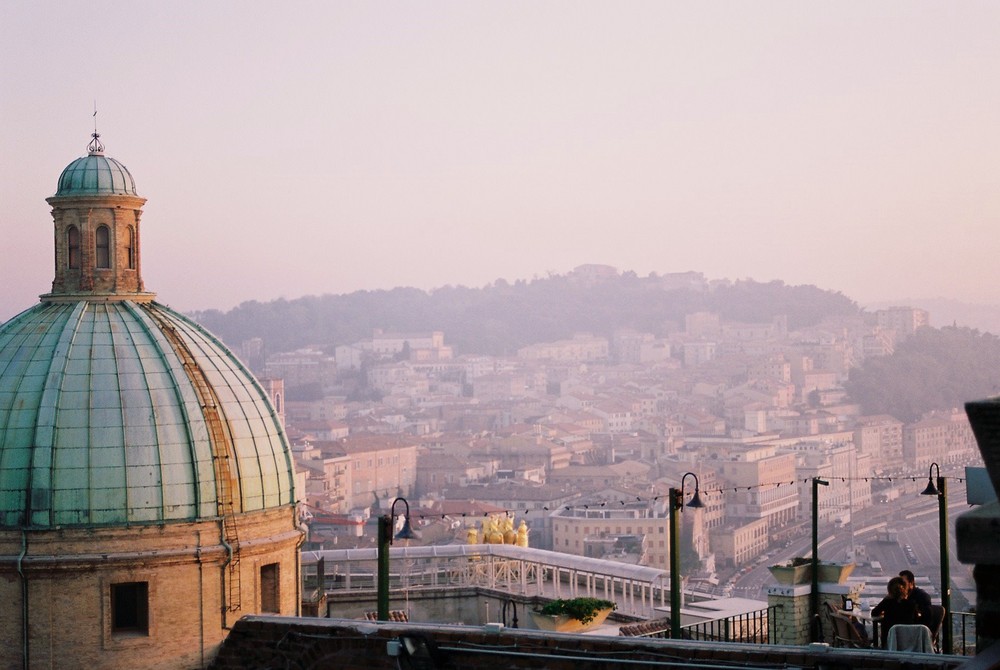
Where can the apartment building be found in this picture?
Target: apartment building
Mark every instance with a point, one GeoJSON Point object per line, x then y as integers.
{"type": "Point", "coordinates": [301, 367]}
{"type": "Point", "coordinates": [881, 437]}
{"type": "Point", "coordinates": [580, 526]}
{"type": "Point", "coordinates": [940, 438]}
{"type": "Point", "coordinates": [904, 320]}
{"type": "Point", "coordinates": [836, 461]}
{"type": "Point", "coordinates": [734, 546]}
{"type": "Point", "coordinates": [615, 416]}
{"type": "Point", "coordinates": [756, 474]}
{"type": "Point", "coordinates": [381, 467]}
{"type": "Point", "coordinates": [583, 347]}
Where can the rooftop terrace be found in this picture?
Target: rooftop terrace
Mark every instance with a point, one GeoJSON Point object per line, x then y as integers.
{"type": "Point", "coordinates": [457, 598]}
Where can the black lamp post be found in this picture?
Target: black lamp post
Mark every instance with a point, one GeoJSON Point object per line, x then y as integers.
{"type": "Point", "coordinates": [676, 502]}
{"type": "Point", "coordinates": [386, 523]}
{"type": "Point", "coordinates": [814, 595]}
{"type": "Point", "coordinates": [941, 491]}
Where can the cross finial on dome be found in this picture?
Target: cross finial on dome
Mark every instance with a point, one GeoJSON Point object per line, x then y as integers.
{"type": "Point", "coordinates": [95, 146]}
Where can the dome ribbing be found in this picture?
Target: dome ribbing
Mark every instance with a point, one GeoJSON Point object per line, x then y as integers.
{"type": "Point", "coordinates": [115, 413]}
{"type": "Point", "coordinates": [95, 174]}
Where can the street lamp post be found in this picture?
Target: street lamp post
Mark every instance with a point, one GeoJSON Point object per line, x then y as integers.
{"type": "Point", "coordinates": [814, 595]}
{"type": "Point", "coordinates": [386, 522]}
{"type": "Point", "coordinates": [941, 491]}
{"type": "Point", "coordinates": [675, 503]}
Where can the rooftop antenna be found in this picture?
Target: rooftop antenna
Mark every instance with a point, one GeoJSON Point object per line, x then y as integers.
{"type": "Point", "coordinates": [95, 146]}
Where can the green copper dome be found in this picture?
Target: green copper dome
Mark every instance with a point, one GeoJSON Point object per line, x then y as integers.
{"type": "Point", "coordinates": [121, 412]}
{"type": "Point", "coordinates": [96, 174]}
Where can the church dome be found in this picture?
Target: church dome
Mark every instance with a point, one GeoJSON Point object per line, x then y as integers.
{"type": "Point", "coordinates": [96, 174]}
{"type": "Point", "coordinates": [122, 412]}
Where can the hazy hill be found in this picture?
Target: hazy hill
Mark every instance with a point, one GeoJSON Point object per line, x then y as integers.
{"type": "Point", "coordinates": [934, 369]}
{"type": "Point", "coordinates": [500, 318]}
{"type": "Point", "coordinates": [938, 368]}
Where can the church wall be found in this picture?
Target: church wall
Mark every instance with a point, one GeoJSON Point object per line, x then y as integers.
{"type": "Point", "coordinates": [277, 542]}
{"type": "Point", "coordinates": [70, 573]}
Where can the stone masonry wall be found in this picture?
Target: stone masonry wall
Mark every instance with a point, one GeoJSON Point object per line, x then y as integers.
{"type": "Point", "coordinates": [792, 624]}
{"type": "Point", "coordinates": [68, 574]}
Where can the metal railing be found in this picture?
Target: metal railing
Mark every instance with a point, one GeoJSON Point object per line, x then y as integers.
{"type": "Point", "coordinates": [751, 627]}
{"type": "Point", "coordinates": [964, 636]}
{"type": "Point", "coordinates": [413, 572]}
{"type": "Point", "coordinates": [748, 628]}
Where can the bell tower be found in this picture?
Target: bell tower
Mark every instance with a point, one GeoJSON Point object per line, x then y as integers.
{"type": "Point", "coordinates": [96, 213]}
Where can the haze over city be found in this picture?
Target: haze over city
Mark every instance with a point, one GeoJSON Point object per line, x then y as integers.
{"type": "Point", "coordinates": [305, 148]}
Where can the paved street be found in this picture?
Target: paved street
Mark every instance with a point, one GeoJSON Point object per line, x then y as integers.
{"type": "Point", "coordinates": [914, 521]}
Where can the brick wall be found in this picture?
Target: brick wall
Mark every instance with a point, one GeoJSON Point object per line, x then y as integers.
{"type": "Point", "coordinates": [68, 578]}
{"type": "Point", "coordinates": [121, 215]}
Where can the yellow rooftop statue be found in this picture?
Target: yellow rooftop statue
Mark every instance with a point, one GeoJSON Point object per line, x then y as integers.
{"type": "Point", "coordinates": [138, 458]}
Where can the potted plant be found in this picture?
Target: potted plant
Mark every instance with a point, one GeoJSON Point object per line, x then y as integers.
{"type": "Point", "coordinates": [796, 571]}
{"type": "Point", "coordinates": [572, 614]}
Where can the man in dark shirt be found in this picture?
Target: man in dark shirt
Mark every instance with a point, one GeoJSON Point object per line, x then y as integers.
{"type": "Point", "coordinates": [920, 597]}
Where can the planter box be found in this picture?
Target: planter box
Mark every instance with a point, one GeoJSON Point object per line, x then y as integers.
{"type": "Point", "coordinates": [564, 624]}
{"type": "Point", "coordinates": [790, 575]}
{"type": "Point", "coordinates": [836, 573]}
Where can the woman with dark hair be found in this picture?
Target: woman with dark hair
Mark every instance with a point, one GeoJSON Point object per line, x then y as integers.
{"type": "Point", "coordinates": [895, 608]}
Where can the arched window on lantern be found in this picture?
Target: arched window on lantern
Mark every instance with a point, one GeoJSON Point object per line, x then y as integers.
{"type": "Point", "coordinates": [73, 248]}
{"type": "Point", "coordinates": [103, 247]}
{"type": "Point", "coordinates": [130, 249]}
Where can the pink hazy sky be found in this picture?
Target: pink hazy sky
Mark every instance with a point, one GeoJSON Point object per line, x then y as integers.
{"type": "Point", "coordinates": [297, 148]}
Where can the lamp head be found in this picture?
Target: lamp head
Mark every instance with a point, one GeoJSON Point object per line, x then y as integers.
{"type": "Point", "coordinates": [407, 532]}
{"type": "Point", "coordinates": [695, 501]}
{"type": "Point", "coordinates": [696, 498]}
{"type": "Point", "coordinates": [930, 489]}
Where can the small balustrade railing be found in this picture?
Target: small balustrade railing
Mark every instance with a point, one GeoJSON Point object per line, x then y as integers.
{"type": "Point", "coordinates": [749, 628]}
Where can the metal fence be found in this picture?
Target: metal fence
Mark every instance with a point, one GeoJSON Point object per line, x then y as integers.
{"type": "Point", "coordinates": [750, 628]}
{"type": "Point", "coordinates": [964, 636]}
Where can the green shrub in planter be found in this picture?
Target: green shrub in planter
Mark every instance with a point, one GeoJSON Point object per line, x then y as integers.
{"type": "Point", "coordinates": [582, 609]}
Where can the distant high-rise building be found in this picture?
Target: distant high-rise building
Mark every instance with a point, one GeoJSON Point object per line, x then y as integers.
{"type": "Point", "coordinates": [904, 320]}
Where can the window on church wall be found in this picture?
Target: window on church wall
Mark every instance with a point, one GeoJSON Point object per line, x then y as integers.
{"type": "Point", "coordinates": [102, 242]}
{"type": "Point", "coordinates": [130, 249]}
{"type": "Point", "coordinates": [130, 608]}
{"type": "Point", "coordinates": [73, 248]}
{"type": "Point", "coordinates": [270, 588]}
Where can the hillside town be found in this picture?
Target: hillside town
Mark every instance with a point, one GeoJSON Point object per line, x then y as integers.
{"type": "Point", "coordinates": [583, 437]}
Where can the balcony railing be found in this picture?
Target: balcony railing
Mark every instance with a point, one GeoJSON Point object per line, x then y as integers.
{"type": "Point", "coordinates": [753, 628]}
{"type": "Point", "coordinates": [964, 637]}
{"type": "Point", "coordinates": [530, 573]}
{"type": "Point", "coordinates": [749, 628]}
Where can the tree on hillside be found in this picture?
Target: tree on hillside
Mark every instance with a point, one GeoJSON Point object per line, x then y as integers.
{"type": "Point", "coordinates": [502, 317]}
{"type": "Point", "coordinates": [935, 369]}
